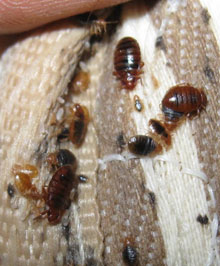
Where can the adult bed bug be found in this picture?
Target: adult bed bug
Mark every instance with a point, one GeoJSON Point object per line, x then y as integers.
{"type": "Point", "coordinates": [57, 195]}
{"type": "Point", "coordinates": [183, 100]}
{"type": "Point", "coordinates": [127, 62]}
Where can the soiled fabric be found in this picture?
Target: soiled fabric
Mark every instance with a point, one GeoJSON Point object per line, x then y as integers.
{"type": "Point", "coordinates": [161, 202]}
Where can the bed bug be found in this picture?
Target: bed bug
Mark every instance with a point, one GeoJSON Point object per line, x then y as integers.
{"type": "Point", "coordinates": [138, 104]}
{"type": "Point", "coordinates": [160, 129]}
{"type": "Point", "coordinates": [143, 145]}
{"type": "Point", "coordinates": [57, 194]}
{"type": "Point", "coordinates": [61, 158]}
{"type": "Point", "coordinates": [78, 124]}
{"type": "Point", "coordinates": [130, 255]}
{"type": "Point", "coordinates": [127, 62]}
{"type": "Point", "coordinates": [27, 169]}
{"type": "Point", "coordinates": [182, 100]}
{"type": "Point", "coordinates": [80, 82]}
{"type": "Point", "coordinates": [23, 176]}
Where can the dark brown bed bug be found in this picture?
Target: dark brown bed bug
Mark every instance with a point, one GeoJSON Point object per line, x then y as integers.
{"type": "Point", "coordinates": [143, 145]}
{"type": "Point", "coordinates": [57, 194]}
{"type": "Point", "coordinates": [23, 176]}
{"type": "Point", "coordinates": [183, 99]}
{"type": "Point", "coordinates": [78, 124]}
{"type": "Point", "coordinates": [158, 128]}
{"type": "Point", "coordinates": [61, 158]}
{"type": "Point", "coordinates": [127, 62]}
{"type": "Point", "coordinates": [129, 254]}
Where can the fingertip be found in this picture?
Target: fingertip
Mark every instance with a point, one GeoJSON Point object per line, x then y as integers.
{"type": "Point", "coordinates": [18, 16]}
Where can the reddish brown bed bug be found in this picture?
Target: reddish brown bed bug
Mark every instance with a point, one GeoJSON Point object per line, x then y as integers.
{"type": "Point", "coordinates": [138, 104]}
{"type": "Point", "coordinates": [57, 195]}
{"type": "Point", "coordinates": [80, 82]}
{"type": "Point", "coordinates": [23, 176]}
{"type": "Point", "coordinates": [129, 254]}
{"type": "Point", "coordinates": [61, 158]}
{"type": "Point", "coordinates": [127, 62]}
{"type": "Point", "coordinates": [159, 129]}
{"type": "Point", "coordinates": [79, 124]}
{"type": "Point", "coordinates": [143, 145]}
{"type": "Point", "coordinates": [183, 99]}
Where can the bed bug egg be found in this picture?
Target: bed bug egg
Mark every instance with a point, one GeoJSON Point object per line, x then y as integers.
{"type": "Point", "coordinates": [182, 100]}
{"type": "Point", "coordinates": [127, 62]}
{"type": "Point", "coordinates": [143, 145]}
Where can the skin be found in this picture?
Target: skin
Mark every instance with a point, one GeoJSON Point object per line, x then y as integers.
{"type": "Point", "coordinates": [22, 15]}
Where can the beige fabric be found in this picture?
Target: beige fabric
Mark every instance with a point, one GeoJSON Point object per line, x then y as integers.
{"type": "Point", "coordinates": [116, 202]}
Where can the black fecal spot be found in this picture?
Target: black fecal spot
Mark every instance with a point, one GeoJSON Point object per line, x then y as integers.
{"type": "Point", "coordinates": [11, 190]}
{"type": "Point", "coordinates": [152, 198]}
{"type": "Point", "coordinates": [66, 230]}
{"type": "Point", "coordinates": [73, 255]}
{"type": "Point", "coordinates": [160, 43]}
{"type": "Point", "coordinates": [91, 262]}
{"type": "Point", "coordinates": [130, 255]}
{"type": "Point", "coordinates": [209, 74]}
{"type": "Point", "coordinates": [202, 219]}
{"type": "Point", "coordinates": [205, 16]}
{"type": "Point", "coordinates": [120, 140]}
